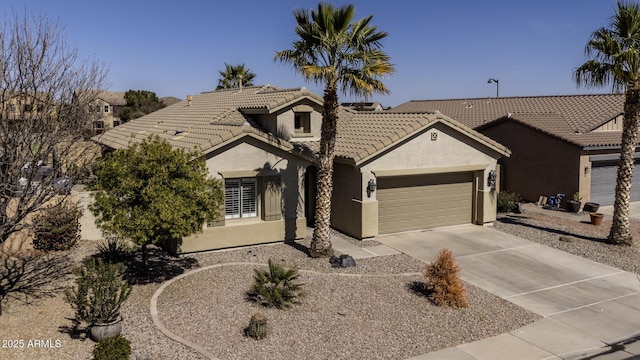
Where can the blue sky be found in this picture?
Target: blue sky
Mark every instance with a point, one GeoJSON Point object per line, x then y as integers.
{"type": "Point", "coordinates": [440, 48]}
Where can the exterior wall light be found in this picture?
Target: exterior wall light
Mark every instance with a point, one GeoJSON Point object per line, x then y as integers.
{"type": "Point", "coordinates": [491, 180]}
{"type": "Point", "coordinates": [371, 187]}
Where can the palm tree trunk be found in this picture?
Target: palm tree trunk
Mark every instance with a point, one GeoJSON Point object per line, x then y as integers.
{"type": "Point", "coordinates": [321, 242]}
{"type": "Point", "coordinates": [620, 233]}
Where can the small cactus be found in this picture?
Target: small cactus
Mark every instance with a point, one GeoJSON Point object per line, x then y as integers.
{"type": "Point", "coordinates": [257, 328]}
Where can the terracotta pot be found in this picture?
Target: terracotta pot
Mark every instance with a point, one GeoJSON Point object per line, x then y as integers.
{"type": "Point", "coordinates": [596, 218]}
{"type": "Point", "coordinates": [99, 331]}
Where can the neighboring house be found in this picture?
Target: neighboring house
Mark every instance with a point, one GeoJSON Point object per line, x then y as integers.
{"type": "Point", "coordinates": [393, 171]}
{"type": "Point", "coordinates": [560, 144]}
{"type": "Point", "coordinates": [26, 105]}
{"type": "Point", "coordinates": [364, 106]}
{"type": "Point", "coordinates": [107, 106]}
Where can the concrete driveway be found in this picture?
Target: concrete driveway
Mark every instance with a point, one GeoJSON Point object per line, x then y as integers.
{"type": "Point", "coordinates": [634, 210]}
{"type": "Point", "coordinates": [585, 305]}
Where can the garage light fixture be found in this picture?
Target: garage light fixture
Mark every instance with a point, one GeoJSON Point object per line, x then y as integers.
{"type": "Point", "coordinates": [491, 179]}
{"type": "Point", "coordinates": [371, 187]}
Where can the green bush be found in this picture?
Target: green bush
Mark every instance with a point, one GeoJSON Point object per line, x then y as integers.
{"type": "Point", "coordinates": [113, 348]}
{"type": "Point", "coordinates": [57, 227]}
{"type": "Point", "coordinates": [257, 328]}
{"type": "Point", "coordinates": [508, 201]}
{"type": "Point", "coordinates": [113, 249]}
{"type": "Point", "coordinates": [99, 292]}
{"type": "Point", "coordinates": [276, 287]}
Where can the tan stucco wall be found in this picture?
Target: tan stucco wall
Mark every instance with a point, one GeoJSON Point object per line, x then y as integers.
{"type": "Point", "coordinates": [584, 182]}
{"type": "Point", "coordinates": [539, 164]}
{"type": "Point", "coordinates": [252, 154]}
{"type": "Point", "coordinates": [252, 157]}
{"type": "Point", "coordinates": [286, 120]}
{"type": "Point", "coordinates": [258, 232]}
{"type": "Point", "coordinates": [349, 213]}
{"type": "Point", "coordinates": [450, 150]}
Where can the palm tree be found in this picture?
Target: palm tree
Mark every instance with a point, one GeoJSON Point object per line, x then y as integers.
{"type": "Point", "coordinates": [614, 57]}
{"type": "Point", "coordinates": [235, 76]}
{"type": "Point", "coordinates": [332, 50]}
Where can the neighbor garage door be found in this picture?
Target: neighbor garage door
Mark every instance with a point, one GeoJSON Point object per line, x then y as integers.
{"type": "Point", "coordinates": [424, 201]}
{"type": "Point", "coordinates": [603, 183]}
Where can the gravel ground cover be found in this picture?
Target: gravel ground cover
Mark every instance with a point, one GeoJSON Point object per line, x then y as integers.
{"type": "Point", "coordinates": [369, 311]}
{"type": "Point", "coordinates": [573, 236]}
{"type": "Point", "coordinates": [374, 310]}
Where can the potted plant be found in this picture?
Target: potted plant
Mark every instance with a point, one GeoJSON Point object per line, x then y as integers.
{"type": "Point", "coordinates": [596, 218]}
{"type": "Point", "coordinates": [99, 293]}
{"type": "Point", "coordinates": [574, 205]}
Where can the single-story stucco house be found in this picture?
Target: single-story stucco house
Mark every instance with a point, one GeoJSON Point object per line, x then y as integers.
{"type": "Point", "coordinates": [393, 171]}
{"type": "Point", "coordinates": [560, 144]}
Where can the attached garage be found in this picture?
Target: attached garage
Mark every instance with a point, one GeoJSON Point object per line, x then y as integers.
{"type": "Point", "coordinates": [416, 202]}
{"type": "Point", "coordinates": [603, 183]}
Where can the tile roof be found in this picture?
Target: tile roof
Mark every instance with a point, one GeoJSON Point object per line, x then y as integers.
{"type": "Point", "coordinates": [569, 117]}
{"type": "Point", "coordinates": [211, 119]}
{"type": "Point", "coordinates": [215, 118]}
{"type": "Point", "coordinates": [112, 97]}
{"type": "Point", "coordinates": [362, 135]}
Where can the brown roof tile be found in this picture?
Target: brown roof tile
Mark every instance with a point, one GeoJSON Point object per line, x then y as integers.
{"type": "Point", "coordinates": [113, 97]}
{"type": "Point", "coordinates": [213, 118]}
{"type": "Point", "coordinates": [362, 135]}
{"type": "Point", "coordinates": [565, 116]}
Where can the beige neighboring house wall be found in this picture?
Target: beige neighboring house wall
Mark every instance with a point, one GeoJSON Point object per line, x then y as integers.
{"type": "Point", "coordinates": [107, 108]}
{"type": "Point", "coordinates": [555, 164]}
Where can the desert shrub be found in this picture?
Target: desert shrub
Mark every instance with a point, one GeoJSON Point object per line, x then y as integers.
{"type": "Point", "coordinates": [57, 227]}
{"type": "Point", "coordinates": [257, 328]}
{"type": "Point", "coordinates": [444, 276]}
{"type": "Point", "coordinates": [508, 201]}
{"type": "Point", "coordinates": [113, 348]}
{"type": "Point", "coordinates": [113, 249]}
{"type": "Point", "coordinates": [276, 287]}
{"type": "Point", "coordinates": [99, 292]}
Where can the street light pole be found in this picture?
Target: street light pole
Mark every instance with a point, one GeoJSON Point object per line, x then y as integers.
{"type": "Point", "coordinates": [497, 86]}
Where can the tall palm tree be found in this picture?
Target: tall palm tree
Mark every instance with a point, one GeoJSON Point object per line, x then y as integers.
{"type": "Point", "coordinates": [235, 76]}
{"type": "Point", "coordinates": [332, 50]}
{"type": "Point", "coordinates": [614, 58]}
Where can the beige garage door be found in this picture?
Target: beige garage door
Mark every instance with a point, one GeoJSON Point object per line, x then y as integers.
{"type": "Point", "coordinates": [424, 201]}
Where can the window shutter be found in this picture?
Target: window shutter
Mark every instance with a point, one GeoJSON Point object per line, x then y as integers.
{"type": "Point", "coordinates": [249, 198]}
{"type": "Point", "coordinates": [232, 199]}
{"type": "Point", "coordinates": [271, 198]}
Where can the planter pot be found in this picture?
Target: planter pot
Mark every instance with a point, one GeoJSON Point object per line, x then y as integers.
{"type": "Point", "coordinates": [596, 218]}
{"type": "Point", "coordinates": [591, 207]}
{"type": "Point", "coordinates": [99, 331]}
{"type": "Point", "coordinates": [573, 206]}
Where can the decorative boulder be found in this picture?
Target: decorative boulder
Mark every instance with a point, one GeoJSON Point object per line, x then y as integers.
{"type": "Point", "coordinates": [342, 261]}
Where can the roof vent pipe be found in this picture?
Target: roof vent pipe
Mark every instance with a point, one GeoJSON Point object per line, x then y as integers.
{"type": "Point", "coordinates": [189, 100]}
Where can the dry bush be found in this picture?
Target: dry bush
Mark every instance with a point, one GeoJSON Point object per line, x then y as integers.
{"type": "Point", "coordinates": [444, 276]}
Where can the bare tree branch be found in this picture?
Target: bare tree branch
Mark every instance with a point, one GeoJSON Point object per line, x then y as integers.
{"type": "Point", "coordinates": [45, 93]}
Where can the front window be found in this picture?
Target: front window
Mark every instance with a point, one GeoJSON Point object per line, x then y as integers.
{"type": "Point", "coordinates": [240, 198]}
{"type": "Point", "coordinates": [106, 108]}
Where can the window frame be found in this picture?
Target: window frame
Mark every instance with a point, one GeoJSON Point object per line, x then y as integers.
{"type": "Point", "coordinates": [301, 123]}
{"type": "Point", "coordinates": [241, 188]}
